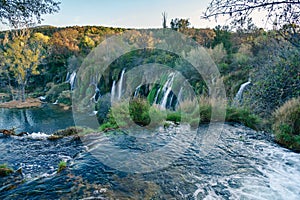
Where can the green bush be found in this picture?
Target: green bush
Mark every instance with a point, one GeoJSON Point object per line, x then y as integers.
{"type": "Point", "coordinates": [55, 91]}
{"type": "Point", "coordinates": [65, 98]}
{"type": "Point", "coordinates": [286, 124]}
{"type": "Point", "coordinates": [174, 116]}
{"type": "Point", "coordinates": [139, 111]}
{"type": "Point", "coordinates": [244, 116]}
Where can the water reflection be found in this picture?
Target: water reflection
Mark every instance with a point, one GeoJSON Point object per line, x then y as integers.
{"type": "Point", "coordinates": [47, 119]}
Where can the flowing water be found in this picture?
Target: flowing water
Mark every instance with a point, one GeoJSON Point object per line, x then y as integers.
{"type": "Point", "coordinates": [243, 164]}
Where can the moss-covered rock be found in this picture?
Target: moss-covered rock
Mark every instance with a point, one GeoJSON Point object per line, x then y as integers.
{"type": "Point", "coordinates": [5, 170]}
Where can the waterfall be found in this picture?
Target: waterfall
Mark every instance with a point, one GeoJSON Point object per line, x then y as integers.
{"type": "Point", "coordinates": [164, 101]}
{"type": "Point", "coordinates": [121, 84]}
{"type": "Point", "coordinates": [239, 94]}
{"type": "Point", "coordinates": [72, 79]}
{"type": "Point", "coordinates": [171, 100]}
{"type": "Point", "coordinates": [113, 91]}
{"type": "Point", "coordinates": [156, 96]}
{"type": "Point", "coordinates": [179, 97]}
{"type": "Point", "coordinates": [96, 96]}
{"type": "Point", "coordinates": [68, 77]}
{"type": "Point", "coordinates": [136, 92]}
{"type": "Point", "coordinates": [167, 88]}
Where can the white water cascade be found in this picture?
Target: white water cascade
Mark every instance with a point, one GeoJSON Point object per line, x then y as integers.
{"type": "Point", "coordinates": [136, 92]}
{"type": "Point", "coordinates": [121, 85]}
{"type": "Point", "coordinates": [113, 91]}
{"type": "Point", "coordinates": [116, 89]}
{"type": "Point", "coordinates": [239, 95]}
{"type": "Point", "coordinates": [167, 88]}
{"type": "Point", "coordinates": [71, 79]}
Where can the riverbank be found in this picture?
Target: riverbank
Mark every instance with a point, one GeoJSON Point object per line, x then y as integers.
{"type": "Point", "coordinates": [28, 103]}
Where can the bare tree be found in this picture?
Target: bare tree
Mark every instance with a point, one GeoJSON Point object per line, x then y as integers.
{"type": "Point", "coordinates": [24, 13]}
{"type": "Point", "coordinates": [164, 23]}
{"type": "Point", "coordinates": [282, 13]}
{"type": "Point", "coordinates": [277, 11]}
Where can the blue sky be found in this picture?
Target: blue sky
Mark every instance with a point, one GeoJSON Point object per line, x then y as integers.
{"type": "Point", "coordinates": [128, 13]}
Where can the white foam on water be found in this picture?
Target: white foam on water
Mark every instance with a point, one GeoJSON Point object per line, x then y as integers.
{"type": "Point", "coordinates": [37, 136]}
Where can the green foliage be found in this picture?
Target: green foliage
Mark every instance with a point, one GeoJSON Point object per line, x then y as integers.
{"type": "Point", "coordinates": [139, 111]}
{"type": "Point", "coordinates": [22, 55]}
{"type": "Point", "coordinates": [244, 116]}
{"type": "Point", "coordinates": [5, 170]}
{"type": "Point", "coordinates": [65, 98]}
{"type": "Point", "coordinates": [286, 124]}
{"type": "Point", "coordinates": [276, 79]}
{"type": "Point", "coordinates": [179, 24]}
{"type": "Point", "coordinates": [223, 36]}
{"type": "Point", "coordinates": [174, 116]}
{"type": "Point", "coordinates": [56, 90]}
{"type": "Point", "coordinates": [20, 13]}
{"type": "Point", "coordinates": [61, 166]}
{"type": "Point", "coordinates": [111, 124]}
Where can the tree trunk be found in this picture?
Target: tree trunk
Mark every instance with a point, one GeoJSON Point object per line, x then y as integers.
{"type": "Point", "coordinates": [10, 87]}
{"type": "Point", "coordinates": [23, 92]}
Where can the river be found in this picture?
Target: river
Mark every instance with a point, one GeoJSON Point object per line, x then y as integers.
{"type": "Point", "coordinates": [243, 164]}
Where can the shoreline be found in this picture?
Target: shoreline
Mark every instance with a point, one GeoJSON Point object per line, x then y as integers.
{"type": "Point", "coordinates": [29, 103]}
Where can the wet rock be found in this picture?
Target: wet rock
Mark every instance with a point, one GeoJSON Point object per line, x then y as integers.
{"type": "Point", "coordinates": [11, 180]}
{"type": "Point", "coordinates": [7, 132]}
{"type": "Point", "coordinates": [5, 171]}
{"type": "Point", "coordinates": [103, 106]}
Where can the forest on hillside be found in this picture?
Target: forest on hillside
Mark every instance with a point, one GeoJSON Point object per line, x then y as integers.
{"type": "Point", "coordinates": [51, 53]}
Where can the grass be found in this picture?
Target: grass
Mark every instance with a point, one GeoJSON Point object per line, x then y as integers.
{"type": "Point", "coordinates": [61, 166]}
{"type": "Point", "coordinates": [286, 124]}
{"type": "Point", "coordinates": [243, 116]}
{"type": "Point", "coordinates": [140, 112]}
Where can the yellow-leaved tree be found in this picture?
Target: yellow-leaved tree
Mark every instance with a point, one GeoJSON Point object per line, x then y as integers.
{"type": "Point", "coordinates": [23, 54]}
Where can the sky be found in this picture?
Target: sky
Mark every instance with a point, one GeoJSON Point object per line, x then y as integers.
{"type": "Point", "coordinates": [133, 13]}
{"type": "Point", "coordinates": [128, 13]}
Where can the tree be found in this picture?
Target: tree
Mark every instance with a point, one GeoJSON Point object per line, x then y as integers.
{"type": "Point", "coordinates": [180, 24]}
{"type": "Point", "coordinates": [22, 55]}
{"type": "Point", "coordinates": [282, 13]}
{"type": "Point", "coordinates": [223, 36]}
{"type": "Point", "coordinates": [24, 13]}
{"type": "Point", "coordinates": [277, 11]}
{"type": "Point", "coordinates": [164, 24]}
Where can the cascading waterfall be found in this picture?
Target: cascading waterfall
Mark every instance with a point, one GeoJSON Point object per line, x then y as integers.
{"type": "Point", "coordinates": [239, 94]}
{"type": "Point", "coordinates": [113, 91]}
{"type": "Point", "coordinates": [164, 101]}
{"type": "Point", "coordinates": [96, 96]}
{"type": "Point", "coordinates": [121, 85]}
{"type": "Point", "coordinates": [68, 77]}
{"type": "Point", "coordinates": [136, 92]}
{"type": "Point", "coordinates": [156, 96]}
{"type": "Point", "coordinates": [171, 100]}
{"type": "Point", "coordinates": [72, 79]}
{"type": "Point", "coordinates": [167, 88]}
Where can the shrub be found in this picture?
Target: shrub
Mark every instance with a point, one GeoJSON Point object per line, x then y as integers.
{"type": "Point", "coordinates": [286, 124]}
{"type": "Point", "coordinates": [174, 116]}
{"type": "Point", "coordinates": [65, 98]}
{"type": "Point", "coordinates": [244, 116]}
{"type": "Point", "coordinates": [139, 111]}
{"type": "Point", "coordinates": [61, 166]}
{"type": "Point", "coordinates": [53, 94]}
{"type": "Point", "coordinates": [157, 116]}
